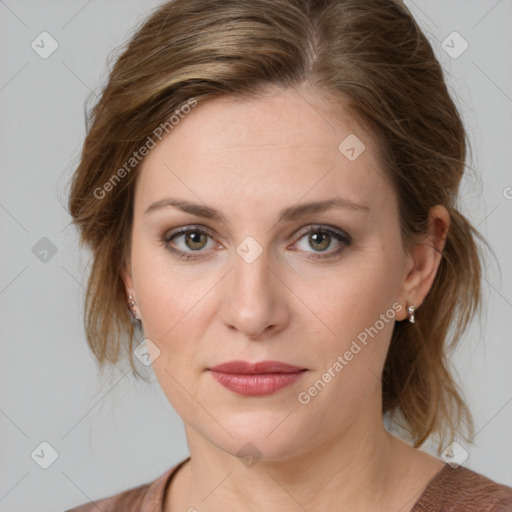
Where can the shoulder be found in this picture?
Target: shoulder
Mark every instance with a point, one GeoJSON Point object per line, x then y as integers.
{"type": "Point", "coordinates": [461, 489]}
{"type": "Point", "coordinates": [128, 500]}
{"type": "Point", "coordinates": [147, 497]}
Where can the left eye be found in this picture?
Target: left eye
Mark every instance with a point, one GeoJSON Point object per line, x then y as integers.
{"type": "Point", "coordinates": [320, 239]}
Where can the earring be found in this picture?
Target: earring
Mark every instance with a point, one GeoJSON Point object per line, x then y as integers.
{"type": "Point", "coordinates": [131, 305]}
{"type": "Point", "coordinates": [410, 314]}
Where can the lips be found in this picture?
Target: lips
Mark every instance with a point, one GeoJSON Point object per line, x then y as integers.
{"type": "Point", "coordinates": [253, 379]}
{"type": "Point", "coordinates": [244, 367]}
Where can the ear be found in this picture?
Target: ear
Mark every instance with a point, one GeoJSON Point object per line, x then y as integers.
{"type": "Point", "coordinates": [423, 261]}
{"type": "Point", "coordinates": [126, 276]}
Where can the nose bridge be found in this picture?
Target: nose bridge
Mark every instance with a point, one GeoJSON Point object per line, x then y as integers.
{"type": "Point", "coordinates": [253, 301]}
{"type": "Point", "coordinates": [250, 272]}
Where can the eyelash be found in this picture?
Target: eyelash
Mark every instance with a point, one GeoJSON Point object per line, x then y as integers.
{"type": "Point", "coordinates": [186, 256]}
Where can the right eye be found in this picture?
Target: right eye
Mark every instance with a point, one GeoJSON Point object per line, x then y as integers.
{"type": "Point", "coordinates": [191, 239]}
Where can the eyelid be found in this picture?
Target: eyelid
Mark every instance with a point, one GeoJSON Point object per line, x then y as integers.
{"type": "Point", "coordinates": [189, 227]}
{"type": "Point", "coordinates": [326, 228]}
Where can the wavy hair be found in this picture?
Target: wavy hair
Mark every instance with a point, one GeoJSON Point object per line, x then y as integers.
{"type": "Point", "coordinates": [372, 58]}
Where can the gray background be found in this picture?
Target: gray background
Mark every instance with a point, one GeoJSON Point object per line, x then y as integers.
{"type": "Point", "coordinates": [115, 433]}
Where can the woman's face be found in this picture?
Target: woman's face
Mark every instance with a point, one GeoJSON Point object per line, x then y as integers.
{"type": "Point", "coordinates": [257, 285]}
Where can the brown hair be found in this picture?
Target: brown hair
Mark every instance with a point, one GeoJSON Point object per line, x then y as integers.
{"type": "Point", "coordinates": [370, 55]}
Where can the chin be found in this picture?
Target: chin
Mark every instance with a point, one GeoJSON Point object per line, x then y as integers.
{"type": "Point", "coordinates": [262, 436]}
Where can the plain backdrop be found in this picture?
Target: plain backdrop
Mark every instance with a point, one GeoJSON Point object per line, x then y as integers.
{"type": "Point", "coordinates": [110, 434]}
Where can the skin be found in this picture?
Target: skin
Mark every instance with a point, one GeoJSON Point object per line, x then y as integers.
{"type": "Point", "coordinates": [250, 159]}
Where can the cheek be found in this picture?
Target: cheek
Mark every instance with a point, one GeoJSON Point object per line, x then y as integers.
{"type": "Point", "coordinates": [353, 319]}
{"type": "Point", "coordinates": [176, 308]}
{"type": "Point", "coordinates": [351, 297]}
{"type": "Point", "coordinates": [356, 323]}
{"type": "Point", "coordinates": [176, 304]}
{"type": "Point", "coordinates": [167, 290]}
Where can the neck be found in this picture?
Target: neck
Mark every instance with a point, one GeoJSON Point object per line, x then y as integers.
{"type": "Point", "coordinates": [352, 470]}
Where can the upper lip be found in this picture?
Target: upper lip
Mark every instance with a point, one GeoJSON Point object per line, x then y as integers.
{"type": "Point", "coordinates": [255, 368]}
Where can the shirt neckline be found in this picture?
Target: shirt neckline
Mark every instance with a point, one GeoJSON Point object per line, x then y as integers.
{"type": "Point", "coordinates": [432, 483]}
{"type": "Point", "coordinates": [154, 498]}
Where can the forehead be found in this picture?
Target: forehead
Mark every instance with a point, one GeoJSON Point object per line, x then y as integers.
{"type": "Point", "coordinates": [282, 145]}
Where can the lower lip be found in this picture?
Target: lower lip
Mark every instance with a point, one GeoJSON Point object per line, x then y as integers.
{"type": "Point", "coordinates": [258, 384]}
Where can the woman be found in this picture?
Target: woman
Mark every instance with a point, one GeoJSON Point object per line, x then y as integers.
{"type": "Point", "coordinates": [271, 189]}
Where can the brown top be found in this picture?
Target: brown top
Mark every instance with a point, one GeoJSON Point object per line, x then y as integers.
{"type": "Point", "coordinates": [451, 490]}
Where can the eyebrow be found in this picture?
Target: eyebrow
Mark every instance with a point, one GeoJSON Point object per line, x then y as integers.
{"type": "Point", "coordinates": [287, 214]}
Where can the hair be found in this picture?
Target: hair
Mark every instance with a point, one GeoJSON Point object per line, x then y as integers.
{"type": "Point", "coordinates": [370, 57]}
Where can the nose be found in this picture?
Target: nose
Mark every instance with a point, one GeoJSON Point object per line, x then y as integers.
{"type": "Point", "coordinates": [255, 300]}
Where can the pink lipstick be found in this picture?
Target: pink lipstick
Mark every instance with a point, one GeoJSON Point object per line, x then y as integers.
{"type": "Point", "coordinates": [256, 379]}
